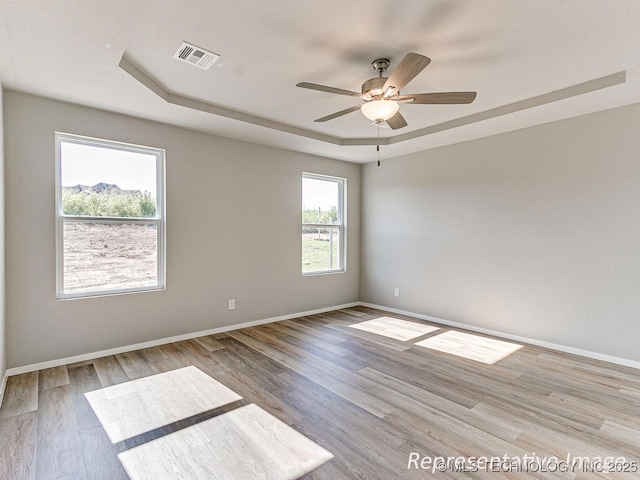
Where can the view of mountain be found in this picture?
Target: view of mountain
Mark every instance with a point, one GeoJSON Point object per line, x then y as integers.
{"type": "Point", "coordinates": [100, 187]}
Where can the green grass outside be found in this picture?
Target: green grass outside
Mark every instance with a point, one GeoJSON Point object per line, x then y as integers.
{"type": "Point", "coordinates": [315, 252]}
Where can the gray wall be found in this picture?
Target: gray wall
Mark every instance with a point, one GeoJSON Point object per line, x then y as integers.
{"type": "Point", "coordinates": [233, 231]}
{"type": "Point", "coordinates": [533, 233]}
{"type": "Point", "coordinates": [3, 343]}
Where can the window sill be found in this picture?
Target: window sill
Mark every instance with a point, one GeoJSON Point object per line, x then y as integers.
{"type": "Point", "coordinates": [323, 272]}
{"type": "Point", "coordinates": [108, 293]}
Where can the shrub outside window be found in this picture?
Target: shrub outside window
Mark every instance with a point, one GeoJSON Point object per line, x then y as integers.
{"type": "Point", "coordinates": [323, 224]}
{"type": "Point", "coordinates": [110, 228]}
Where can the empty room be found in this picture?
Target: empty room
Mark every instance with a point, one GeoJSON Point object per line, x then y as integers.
{"type": "Point", "coordinates": [322, 240]}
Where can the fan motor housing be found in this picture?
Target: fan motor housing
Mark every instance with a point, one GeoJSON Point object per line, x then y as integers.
{"type": "Point", "coordinates": [373, 86]}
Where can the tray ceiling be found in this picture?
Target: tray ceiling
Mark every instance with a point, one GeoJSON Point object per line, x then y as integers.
{"type": "Point", "coordinates": [530, 62]}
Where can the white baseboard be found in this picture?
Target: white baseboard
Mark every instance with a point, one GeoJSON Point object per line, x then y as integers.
{"type": "Point", "coordinates": [553, 346]}
{"type": "Point", "coordinates": [162, 341]}
{"type": "Point", "coordinates": [154, 343]}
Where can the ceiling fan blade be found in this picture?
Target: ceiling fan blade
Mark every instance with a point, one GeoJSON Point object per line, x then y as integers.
{"type": "Point", "coordinates": [410, 66]}
{"type": "Point", "coordinates": [397, 121]}
{"type": "Point", "coordinates": [438, 98]}
{"type": "Point", "coordinates": [338, 114]}
{"type": "Point", "coordinates": [324, 88]}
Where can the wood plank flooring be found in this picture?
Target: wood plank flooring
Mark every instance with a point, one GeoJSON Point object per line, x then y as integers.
{"type": "Point", "coordinates": [370, 400]}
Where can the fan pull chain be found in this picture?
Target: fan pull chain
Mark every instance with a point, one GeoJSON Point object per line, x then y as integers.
{"type": "Point", "coordinates": [378, 144]}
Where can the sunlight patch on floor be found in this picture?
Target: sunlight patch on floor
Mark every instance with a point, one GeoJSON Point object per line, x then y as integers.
{"type": "Point", "coordinates": [142, 405]}
{"type": "Point", "coordinates": [244, 444]}
{"type": "Point", "coordinates": [473, 347]}
{"type": "Point", "coordinates": [394, 328]}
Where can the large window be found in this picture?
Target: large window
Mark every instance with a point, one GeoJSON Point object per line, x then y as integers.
{"type": "Point", "coordinates": [323, 235]}
{"type": "Point", "coordinates": [110, 217]}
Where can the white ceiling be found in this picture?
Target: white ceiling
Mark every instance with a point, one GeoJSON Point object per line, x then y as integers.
{"type": "Point", "coordinates": [507, 50]}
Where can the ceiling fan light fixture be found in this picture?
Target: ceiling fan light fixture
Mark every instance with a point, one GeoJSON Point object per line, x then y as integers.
{"type": "Point", "coordinates": [380, 109]}
{"type": "Point", "coordinates": [382, 94]}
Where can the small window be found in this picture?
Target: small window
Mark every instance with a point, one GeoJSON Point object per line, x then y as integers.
{"type": "Point", "coordinates": [110, 217]}
{"type": "Point", "coordinates": [323, 224]}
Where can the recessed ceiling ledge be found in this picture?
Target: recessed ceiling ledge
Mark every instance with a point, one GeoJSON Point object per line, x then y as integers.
{"type": "Point", "coordinates": [355, 142]}
{"type": "Point", "coordinates": [555, 96]}
{"type": "Point", "coordinates": [176, 99]}
{"type": "Point", "coordinates": [142, 77]}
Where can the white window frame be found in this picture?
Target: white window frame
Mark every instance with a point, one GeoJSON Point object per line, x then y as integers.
{"type": "Point", "coordinates": [341, 225]}
{"type": "Point", "coordinates": [158, 220]}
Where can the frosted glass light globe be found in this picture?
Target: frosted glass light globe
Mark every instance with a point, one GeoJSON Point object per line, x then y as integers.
{"type": "Point", "coordinates": [380, 109]}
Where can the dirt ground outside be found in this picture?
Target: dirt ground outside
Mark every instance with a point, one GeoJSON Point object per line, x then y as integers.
{"type": "Point", "coordinates": [103, 257]}
{"type": "Point", "coordinates": [100, 257]}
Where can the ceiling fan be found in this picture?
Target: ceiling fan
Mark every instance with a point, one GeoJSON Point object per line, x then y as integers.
{"type": "Point", "coordinates": [382, 94]}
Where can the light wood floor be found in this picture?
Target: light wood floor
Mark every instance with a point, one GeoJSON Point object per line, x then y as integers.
{"type": "Point", "coordinates": [369, 400]}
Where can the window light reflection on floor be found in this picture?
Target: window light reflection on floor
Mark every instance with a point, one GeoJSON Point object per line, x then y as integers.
{"type": "Point", "coordinates": [395, 328]}
{"type": "Point", "coordinates": [473, 347]}
{"type": "Point", "coordinates": [246, 443]}
{"type": "Point", "coordinates": [139, 406]}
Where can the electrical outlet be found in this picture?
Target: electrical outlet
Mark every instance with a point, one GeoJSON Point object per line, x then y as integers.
{"type": "Point", "coordinates": [232, 304]}
{"type": "Point", "coordinates": [396, 292]}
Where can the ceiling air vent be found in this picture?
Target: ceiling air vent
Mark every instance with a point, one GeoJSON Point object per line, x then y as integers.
{"type": "Point", "coordinates": [196, 56]}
